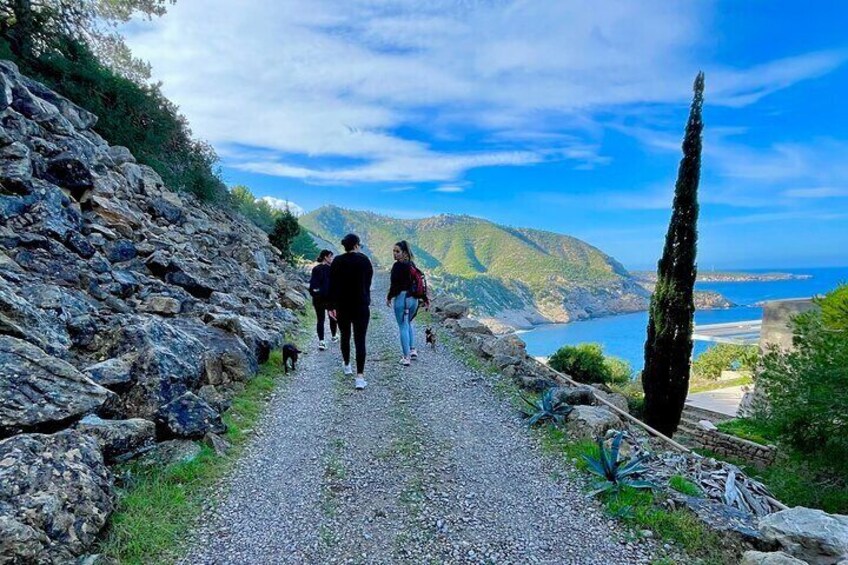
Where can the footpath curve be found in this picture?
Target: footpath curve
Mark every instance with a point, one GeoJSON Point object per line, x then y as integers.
{"type": "Point", "coordinates": [426, 465]}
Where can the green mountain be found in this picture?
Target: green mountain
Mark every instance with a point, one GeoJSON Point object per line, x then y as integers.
{"type": "Point", "coordinates": [516, 276]}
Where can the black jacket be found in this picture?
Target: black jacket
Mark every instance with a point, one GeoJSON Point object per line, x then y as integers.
{"type": "Point", "coordinates": [319, 283]}
{"type": "Point", "coordinates": [401, 278]}
{"type": "Point", "coordinates": [350, 281]}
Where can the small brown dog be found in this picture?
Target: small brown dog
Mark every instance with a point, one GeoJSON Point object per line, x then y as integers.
{"type": "Point", "coordinates": [430, 337]}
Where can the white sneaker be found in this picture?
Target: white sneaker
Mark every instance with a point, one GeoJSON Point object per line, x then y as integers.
{"type": "Point", "coordinates": [361, 383]}
{"type": "Point", "coordinates": [348, 370]}
{"type": "Point", "coordinates": [321, 345]}
{"type": "Point", "coordinates": [413, 354]}
{"type": "Point", "coordinates": [404, 361]}
{"type": "Point", "coordinates": [335, 339]}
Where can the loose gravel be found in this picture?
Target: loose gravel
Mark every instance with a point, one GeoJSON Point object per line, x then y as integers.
{"type": "Point", "coordinates": [426, 465]}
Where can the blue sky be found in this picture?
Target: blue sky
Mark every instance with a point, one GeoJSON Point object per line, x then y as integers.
{"type": "Point", "coordinates": [564, 116]}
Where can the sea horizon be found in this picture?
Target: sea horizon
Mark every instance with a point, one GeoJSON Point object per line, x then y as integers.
{"type": "Point", "coordinates": [623, 335]}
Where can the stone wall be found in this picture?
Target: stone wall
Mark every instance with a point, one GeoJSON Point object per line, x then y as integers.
{"type": "Point", "coordinates": [129, 314]}
{"type": "Point", "coordinates": [777, 318]}
{"type": "Point", "coordinates": [707, 436]}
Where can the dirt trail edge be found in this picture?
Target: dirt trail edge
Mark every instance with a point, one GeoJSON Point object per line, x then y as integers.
{"type": "Point", "coordinates": [426, 465]}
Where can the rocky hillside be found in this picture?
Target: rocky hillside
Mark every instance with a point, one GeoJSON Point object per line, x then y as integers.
{"type": "Point", "coordinates": [511, 277]}
{"type": "Point", "coordinates": [129, 315]}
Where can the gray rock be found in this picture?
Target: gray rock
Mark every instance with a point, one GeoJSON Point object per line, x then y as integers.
{"type": "Point", "coordinates": [583, 395]}
{"type": "Point", "coordinates": [55, 496]}
{"type": "Point", "coordinates": [193, 285]}
{"type": "Point", "coordinates": [217, 443]}
{"type": "Point", "coordinates": [591, 422]}
{"type": "Point", "coordinates": [121, 155]}
{"type": "Point", "coordinates": [510, 345]}
{"type": "Point", "coordinates": [616, 399]}
{"type": "Point", "coordinates": [190, 417]}
{"type": "Point", "coordinates": [118, 437]}
{"type": "Point", "coordinates": [472, 326]}
{"type": "Point", "coordinates": [259, 340]}
{"type": "Point", "coordinates": [449, 308]}
{"type": "Point", "coordinates": [161, 208]}
{"type": "Point", "coordinates": [171, 452]}
{"type": "Point", "coordinates": [114, 374]}
{"type": "Point", "coordinates": [21, 319]}
{"type": "Point", "coordinates": [39, 390]}
{"type": "Point", "coordinates": [120, 251]}
{"type": "Point", "coordinates": [771, 558]}
{"type": "Point", "coordinates": [161, 305]}
{"type": "Point", "coordinates": [811, 535]}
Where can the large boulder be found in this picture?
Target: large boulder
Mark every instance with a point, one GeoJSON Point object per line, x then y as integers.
{"type": "Point", "coordinates": [591, 422]}
{"type": "Point", "coordinates": [769, 558]}
{"type": "Point", "coordinates": [509, 345]}
{"type": "Point", "coordinates": [472, 326]}
{"type": "Point", "coordinates": [114, 374]}
{"type": "Point", "coordinates": [811, 535]}
{"type": "Point", "coordinates": [119, 438]}
{"type": "Point", "coordinates": [190, 417]}
{"type": "Point", "coordinates": [168, 361]}
{"type": "Point", "coordinates": [41, 392]}
{"type": "Point", "coordinates": [55, 496]}
{"type": "Point", "coordinates": [19, 318]}
{"type": "Point", "coordinates": [259, 340]}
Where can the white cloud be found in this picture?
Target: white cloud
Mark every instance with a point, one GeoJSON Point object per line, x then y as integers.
{"type": "Point", "coordinates": [280, 204]}
{"type": "Point", "coordinates": [817, 192]}
{"type": "Point", "coordinates": [325, 88]}
{"type": "Point", "coordinates": [449, 188]}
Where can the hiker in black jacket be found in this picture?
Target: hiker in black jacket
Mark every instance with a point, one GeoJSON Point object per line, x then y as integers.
{"type": "Point", "coordinates": [319, 288]}
{"type": "Point", "coordinates": [350, 297]}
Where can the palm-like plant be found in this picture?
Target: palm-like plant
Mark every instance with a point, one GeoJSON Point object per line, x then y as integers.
{"type": "Point", "coordinates": [547, 407]}
{"type": "Point", "coordinates": [615, 473]}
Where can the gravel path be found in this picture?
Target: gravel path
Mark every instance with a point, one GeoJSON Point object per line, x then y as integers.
{"type": "Point", "coordinates": [426, 465]}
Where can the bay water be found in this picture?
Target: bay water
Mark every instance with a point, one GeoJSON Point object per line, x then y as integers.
{"type": "Point", "coordinates": [624, 336]}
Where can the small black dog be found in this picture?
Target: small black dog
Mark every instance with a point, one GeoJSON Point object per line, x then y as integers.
{"type": "Point", "coordinates": [290, 353]}
{"type": "Point", "coordinates": [430, 337]}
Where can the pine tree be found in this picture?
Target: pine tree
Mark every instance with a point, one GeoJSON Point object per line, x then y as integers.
{"type": "Point", "coordinates": [285, 230]}
{"type": "Point", "coordinates": [668, 348]}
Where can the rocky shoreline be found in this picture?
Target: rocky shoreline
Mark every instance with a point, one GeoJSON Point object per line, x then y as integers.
{"type": "Point", "coordinates": [130, 315]}
{"type": "Point", "coordinates": [529, 318]}
{"type": "Point", "coordinates": [651, 277]}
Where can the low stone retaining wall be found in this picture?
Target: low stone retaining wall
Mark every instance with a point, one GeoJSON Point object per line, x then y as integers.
{"type": "Point", "coordinates": [707, 436]}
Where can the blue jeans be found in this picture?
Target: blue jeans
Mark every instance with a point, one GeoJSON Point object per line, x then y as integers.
{"type": "Point", "coordinates": [405, 310]}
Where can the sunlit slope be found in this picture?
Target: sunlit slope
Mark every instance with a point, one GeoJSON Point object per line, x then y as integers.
{"type": "Point", "coordinates": [496, 267]}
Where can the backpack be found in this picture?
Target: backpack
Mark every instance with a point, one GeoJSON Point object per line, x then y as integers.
{"type": "Point", "coordinates": [418, 286]}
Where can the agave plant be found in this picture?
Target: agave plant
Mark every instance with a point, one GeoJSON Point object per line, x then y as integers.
{"type": "Point", "coordinates": [547, 407]}
{"type": "Point", "coordinates": [615, 473]}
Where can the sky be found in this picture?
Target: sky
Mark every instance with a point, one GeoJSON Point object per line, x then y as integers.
{"type": "Point", "coordinates": [565, 116]}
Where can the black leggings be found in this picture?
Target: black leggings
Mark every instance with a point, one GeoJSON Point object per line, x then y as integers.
{"type": "Point", "coordinates": [320, 312]}
{"type": "Point", "coordinates": [359, 320]}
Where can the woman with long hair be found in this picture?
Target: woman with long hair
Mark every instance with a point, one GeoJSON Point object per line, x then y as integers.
{"type": "Point", "coordinates": [400, 299]}
{"type": "Point", "coordinates": [319, 288]}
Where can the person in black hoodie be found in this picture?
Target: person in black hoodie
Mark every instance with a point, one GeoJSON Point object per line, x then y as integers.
{"type": "Point", "coordinates": [350, 296]}
{"type": "Point", "coordinates": [319, 288]}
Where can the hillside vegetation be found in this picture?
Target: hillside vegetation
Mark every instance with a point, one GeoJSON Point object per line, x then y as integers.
{"type": "Point", "coordinates": [520, 276]}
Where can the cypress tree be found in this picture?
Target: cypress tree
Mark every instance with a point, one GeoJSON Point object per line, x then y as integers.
{"type": "Point", "coordinates": [668, 348]}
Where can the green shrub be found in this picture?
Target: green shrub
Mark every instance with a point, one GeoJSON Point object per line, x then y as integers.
{"type": "Point", "coordinates": [834, 308]}
{"type": "Point", "coordinates": [135, 116]}
{"type": "Point", "coordinates": [724, 357]}
{"type": "Point", "coordinates": [807, 388]}
{"type": "Point", "coordinates": [683, 485]}
{"type": "Point", "coordinates": [586, 363]}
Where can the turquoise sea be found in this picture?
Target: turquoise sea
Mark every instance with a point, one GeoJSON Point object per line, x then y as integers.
{"type": "Point", "coordinates": [624, 336]}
